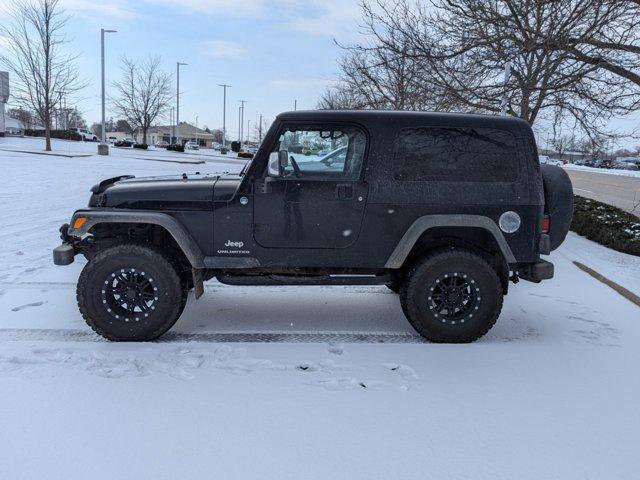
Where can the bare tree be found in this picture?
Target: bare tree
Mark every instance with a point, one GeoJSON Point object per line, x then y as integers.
{"type": "Point", "coordinates": [459, 49]}
{"type": "Point", "coordinates": [36, 55]}
{"type": "Point", "coordinates": [143, 93]}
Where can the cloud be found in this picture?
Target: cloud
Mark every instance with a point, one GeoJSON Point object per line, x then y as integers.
{"type": "Point", "coordinates": [223, 49]}
{"type": "Point", "coordinates": [237, 7]}
{"type": "Point", "coordinates": [328, 18]}
{"type": "Point", "coordinates": [116, 9]}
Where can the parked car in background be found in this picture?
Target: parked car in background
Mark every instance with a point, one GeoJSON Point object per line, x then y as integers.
{"type": "Point", "coordinates": [125, 142]}
{"type": "Point", "coordinates": [216, 146]}
{"type": "Point", "coordinates": [87, 135]}
{"type": "Point", "coordinates": [161, 144]}
{"type": "Point", "coordinates": [545, 160]}
{"type": "Point", "coordinates": [191, 146]}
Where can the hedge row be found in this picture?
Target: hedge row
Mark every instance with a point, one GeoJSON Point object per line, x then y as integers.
{"type": "Point", "coordinates": [60, 134]}
{"type": "Point", "coordinates": [175, 148]}
{"type": "Point", "coordinates": [607, 225]}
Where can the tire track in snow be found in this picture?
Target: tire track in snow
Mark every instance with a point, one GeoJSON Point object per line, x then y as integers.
{"type": "Point", "coordinates": [78, 335]}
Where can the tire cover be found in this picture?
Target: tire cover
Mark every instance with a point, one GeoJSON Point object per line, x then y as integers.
{"type": "Point", "coordinates": [558, 196]}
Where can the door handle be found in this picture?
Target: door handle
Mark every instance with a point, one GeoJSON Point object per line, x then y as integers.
{"type": "Point", "coordinates": [344, 191]}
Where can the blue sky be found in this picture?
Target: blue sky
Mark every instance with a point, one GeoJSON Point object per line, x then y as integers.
{"type": "Point", "coordinates": [271, 52]}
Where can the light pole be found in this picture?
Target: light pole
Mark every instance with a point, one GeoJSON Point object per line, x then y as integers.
{"type": "Point", "coordinates": [103, 148]}
{"type": "Point", "coordinates": [260, 131]}
{"type": "Point", "coordinates": [224, 113]}
{"type": "Point", "coordinates": [197, 132]}
{"type": "Point", "coordinates": [178, 101]}
{"type": "Point", "coordinates": [241, 118]}
{"type": "Point", "coordinates": [248, 130]}
{"type": "Point", "coordinates": [503, 104]}
{"type": "Point", "coordinates": [295, 105]}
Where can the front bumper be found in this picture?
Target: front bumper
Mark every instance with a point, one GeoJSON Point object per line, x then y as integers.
{"type": "Point", "coordinates": [536, 272]}
{"type": "Point", "coordinates": [65, 253]}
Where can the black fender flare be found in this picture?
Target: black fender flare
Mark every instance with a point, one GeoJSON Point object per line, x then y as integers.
{"type": "Point", "coordinates": [179, 233]}
{"type": "Point", "coordinates": [422, 224]}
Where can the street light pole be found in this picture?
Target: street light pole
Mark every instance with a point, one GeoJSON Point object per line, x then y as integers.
{"type": "Point", "coordinates": [103, 148]}
{"type": "Point", "coordinates": [178, 101]}
{"type": "Point", "coordinates": [248, 130]}
{"type": "Point", "coordinates": [241, 113]}
{"type": "Point", "coordinates": [295, 105]}
{"type": "Point", "coordinates": [260, 131]}
{"type": "Point", "coordinates": [224, 112]}
{"type": "Point", "coordinates": [507, 73]}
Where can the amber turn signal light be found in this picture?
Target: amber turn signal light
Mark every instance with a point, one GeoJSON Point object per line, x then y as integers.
{"type": "Point", "coordinates": [80, 221]}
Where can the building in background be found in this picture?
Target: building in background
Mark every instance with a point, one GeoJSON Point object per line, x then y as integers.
{"type": "Point", "coordinates": [4, 98]}
{"type": "Point", "coordinates": [188, 133]}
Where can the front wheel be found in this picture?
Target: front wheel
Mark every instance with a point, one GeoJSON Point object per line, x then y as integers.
{"type": "Point", "coordinates": [131, 292]}
{"type": "Point", "coordinates": [452, 297]}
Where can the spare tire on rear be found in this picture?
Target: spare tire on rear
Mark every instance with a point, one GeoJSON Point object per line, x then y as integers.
{"type": "Point", "coordinates": [558, 199]}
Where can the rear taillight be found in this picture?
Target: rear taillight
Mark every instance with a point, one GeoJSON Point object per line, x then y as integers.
{"type": "Point", "coordinates": [546, 224]}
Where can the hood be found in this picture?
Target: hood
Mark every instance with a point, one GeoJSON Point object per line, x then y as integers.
{"type": "Point", "coordinates": [174, 192]}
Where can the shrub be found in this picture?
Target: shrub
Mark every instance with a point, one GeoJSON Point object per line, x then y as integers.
{"type": "Point", "coordinates": [224, 150]}
{"type": "Point", "coordinates": [175, 148]}
{"type": "Point", "coordinates": [235, 147]}
{"type": "Point", "coordinates": [245, 155]}
{"type": "Point", "coordinates": [607, 225]}
{"type": "Point", "coordinates": [59, 134]}
{"type": "Point", "coordinates": [141, 146]}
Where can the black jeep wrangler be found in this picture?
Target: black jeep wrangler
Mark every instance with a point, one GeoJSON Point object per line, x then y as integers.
{"type": "Point", "coordinates": [444, 209]}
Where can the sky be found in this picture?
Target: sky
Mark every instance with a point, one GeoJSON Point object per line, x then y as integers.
{"type": "Point", "coordinates": [271, 52]}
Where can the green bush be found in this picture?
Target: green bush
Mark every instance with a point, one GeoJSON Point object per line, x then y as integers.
{"type": "Point", "coordinates": [224, 150]}
{"type": "Point", "coordinates": [141, 146]}
{"type": "Point", "coordinates": [59, 134]}
{"type": "Point", "coordinates": [175, 148]}
{"type": "Point", "coordinates": [235, 147]}
{"type": "Point", "coordinates": [607, 225]}
{"type": "Point", "coordinates": [245, 155]}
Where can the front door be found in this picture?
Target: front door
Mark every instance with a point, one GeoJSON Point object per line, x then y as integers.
{"type": "Point", "coordinates": [319, 198]}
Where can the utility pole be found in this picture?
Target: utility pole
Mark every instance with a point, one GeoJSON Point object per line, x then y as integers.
{"type": "Point", "coordinates": [103, 148]}
{"type": "Point", "coordinates": [178, 101]}
{"type": "Point", "coordinates": [295, 105]}
{"type": "Point", "coordinates": [248, 130]}
{"type": "Point", "coordinates": [503, 105]}
{"type": "Point", "coordinates": [260, 131]}
{"type": "Point", "coordinates": [197, 131]}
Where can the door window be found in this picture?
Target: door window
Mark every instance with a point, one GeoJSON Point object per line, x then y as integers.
{"type": "Point", "coordinates": [322, 153]}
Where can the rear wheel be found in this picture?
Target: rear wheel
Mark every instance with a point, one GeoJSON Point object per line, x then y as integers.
{"type": "Point", "coordinates": [131, 292]}
{"type": "Point", "coordinates": [452, 297]}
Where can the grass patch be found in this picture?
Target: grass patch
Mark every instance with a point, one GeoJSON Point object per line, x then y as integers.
{"type": "Point", "coordinates": [607, 225]}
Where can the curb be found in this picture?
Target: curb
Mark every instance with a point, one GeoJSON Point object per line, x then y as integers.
{"type": "Point", "coordinates": [632, 297]}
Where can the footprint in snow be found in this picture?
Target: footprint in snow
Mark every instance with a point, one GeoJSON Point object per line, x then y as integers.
{"type": "Point", "coordinates": [22, 307]}
{"type": "Point", "coordinates": [336, 349]}
{"type": "Point", "coordinates": [405, 371]}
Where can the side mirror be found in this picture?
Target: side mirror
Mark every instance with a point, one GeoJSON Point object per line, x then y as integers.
{"type": "Point", "coordinates": [274, 164]}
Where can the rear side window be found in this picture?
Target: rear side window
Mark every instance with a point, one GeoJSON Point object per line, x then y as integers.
{"type": "Point", "coordinates": [432, 154]}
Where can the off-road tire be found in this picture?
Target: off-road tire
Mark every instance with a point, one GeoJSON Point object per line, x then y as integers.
{"type": "Point", "coordinates": [172, 292]}
{"type": "Point", "coordinates": [416, 301]}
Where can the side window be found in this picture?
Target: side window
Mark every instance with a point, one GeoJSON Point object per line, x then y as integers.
{"type": "Point", "coordinates": [432, 154]}
{"type": "Point", "coordinates": [323, 152]}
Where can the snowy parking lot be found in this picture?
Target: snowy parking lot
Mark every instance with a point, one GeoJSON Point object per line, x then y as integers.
{"type": "Point", "coordinates": [301, 382]}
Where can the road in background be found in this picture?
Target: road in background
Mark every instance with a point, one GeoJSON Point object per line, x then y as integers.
{"type": "Point", "coordinates": [617, 190]}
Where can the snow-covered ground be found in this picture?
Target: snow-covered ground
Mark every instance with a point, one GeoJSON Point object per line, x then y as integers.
{"type": "Point", "coordinates": [304, 382]}
{"type": "Point", "coordinates": [606, 171]}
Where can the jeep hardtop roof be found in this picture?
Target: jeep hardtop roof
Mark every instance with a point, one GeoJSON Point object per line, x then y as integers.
{"type": "Point", "coordinates": [432, 118]}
